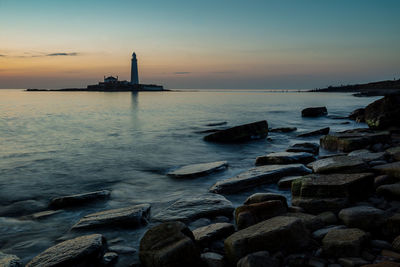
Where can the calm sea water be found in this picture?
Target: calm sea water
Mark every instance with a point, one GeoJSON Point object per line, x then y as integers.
{"type": "Point", "coordinates": [60, 143]}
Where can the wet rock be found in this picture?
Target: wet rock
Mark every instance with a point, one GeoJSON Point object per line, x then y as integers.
{"type": "Point", "coordinates": [392, 255]}
{"type": "Point", "coordinates": [383, 113]}
{"type": "Point", "coordinates": [321, 233]}
{"type": "Point", "coordinates": [22, 208]}
{"type": "Point", "coordinates": [258, 176]}
{"type": "Point", "coordinates": [277, 234]}
{"type": "Point", "coordinates": [328, 217]}
{"type": "Point", "coordinates": [285, 158]}
{"type": "Point", "coordinates": [212, 232]}
{"type": "Point", "coordinates": [131, 217]}
{"type": "Point", "coordinates": [110, 258]}
{"type": "Point", "coordinates": [340, 164]}
{"type": "Point", "coordinates": [352, 262]}
{"type": "Point", "coordinates": [262, 197]}
{"type": "Point", "coordinates": [358, 115]}
{"type": "Point", "coordinates": [44, 214]}
{"type": "Point", "coordinates": [191, 208]}
{"type": "Point", "coordinates": [251, 214]}
{"type": "Point", "coordinates": [283, 130]}
{"type": "Point", "coordinates": [199, 223]}
{"type": "Point", "coordinates": [78, 199]}
{"type": "Point", "coordinates": [367, 155]}
{"type": "Point", "coordinates": [197, 170]}
{"type": "Point", "coordinates": [286, 182]}
{"type": "Point", "coordinates": [318, 205]}
{"type": "Point", "coordinates": [363, 217]}
{"type": "Point", "coordinates": [391, 191]}
{"type": "Point", "coordinates": [351, 140]}
{"type": "Point", "coordinates": [82, 251]}
{"type": "Point", "coordinates": [314, 112]}
{"type": "Point", "coordinates": [381, 244]}
{"type": "Point", "coordinates": [258, 259]}
{"type": "Point", "coordinates": [122, 249]}
{"type": "Point", "coordinates": [169, 244]}
{"type": "Point", "coordinates": [344, 242]}
{"type": "Point", "coordinates": [392, 227]}
{"type": "Point", "coordinates": [217, 123]}
{"type": "Point", "coordinates": [394, 153]}
{"type": "Point", "coordinates": [310, 221]}
{"type": "Point", "coordinates": [384, 179]}
{"type": "Point", "coordinates": [213, 259]}
{"type": "Point", "coordinates": [8, 260]}
{"type": "Point", "coordinates": [322, 131]}
{"type": "Point", "coordinates": [241, 133]}
{"type": "Point", "coordinates": [304, 147]}
{"type": "Point", "coordinates": [391, 169]}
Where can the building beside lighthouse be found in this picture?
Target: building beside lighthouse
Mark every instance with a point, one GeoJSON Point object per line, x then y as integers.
{"type": "Point", "coordinates": [112, 83]}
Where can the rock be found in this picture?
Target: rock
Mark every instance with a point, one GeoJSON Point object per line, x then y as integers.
{"type": "Point", "coordinates": [213, 259]}
{"type": "Point", "coordinates": [78, 199]}
{"type": "Point", "coordinates": [285, 158]}
{"type": "Point", "coordinates": [258, 259]}
{"type": "Point", "coordinates": [392, 227]}
{"type": "Point", "coordinates": [82, 251]}
{"type": "Point", "coordinates": [380, 244]}
{"type": "Point", "coordinates": [283, 130]}
{"type": "Point", "coordinates": [242, 133]}
{"type": "Point", "coordinates": [277, 234]}
{"type": "Point", "coordinates": [314, 112]}
{"type": "Point", "coordinates": [391, 191]}
{"type": "Point", "coordinates": [131, 217]}
{"type": "Point", "coordinates": [169, 244]}
{"type": "Point", "coordinates": [342, 164]}
{"type": "Point", "coordinates": [348, 141]}
{"type": "Point", "coordinates": [344, 242]}
{"type": "Point", "coordinates": [251, 214]}
{"type": "Point", "coordinates": [391, 169]}
{"type": "Point", "coordinates": [304, 147]}
{"type": "Point", "coordinates": [286, 182]}
{"type": "Point", "coordinates": [394, 153]}
{"type": "Point", "coordinates": [23, 207]}
{"type": "Point", "coordinates": [383, 264]}
{"type": "Point", "coordinates": [212, 232]}
{"type": "Point", "coordinates": [391, 254]}
{"type": "Point", "coordinates": [322, 131]}
{"type": "Point", "coordinates": [262, 197]}
{"type": "Point", "coordinates": [258, 176]}
{"type": "Point", "coordinates": [318, 205]}
{"type": "Point", "coordinates": [311, 222]}
{"type": "Point", "coordinates": [8, 260]}
{"type": "Point", "coordinates": [217, 123]}
{"type": "Point", "coordinates": [221, 219]}
{"type": "Point", "coordinates": [196, 170]}
{"type": "Point", "coordinates": [321, 233]}
{"type": "Point", "coordinates": [358, 115]}
{"type": "Point", "coordinates": [383, 113]}
{"type": "Point", "coordinates": [44, 214]}
{"type": "Point", "coordinates": [199, 223]}
{"type": "Point", "coordinates": [191, 208]}
{"type": "Point", "coordinates": [367, 155]}
{"type": "Point", "coordinates": [110, 259]}
{"type": "Point", "coordinates": [384, 179]}
{"type": "Point", "coordinates": [328, 217]}
{"type": "Point", "coordinates": [122, 249]}
{"type": "Point", "coordinates": [396, 244]}
{"type": "Point", "coordinates": [363, 217]}
{"type": "Point", "coordinates": [352, 262]}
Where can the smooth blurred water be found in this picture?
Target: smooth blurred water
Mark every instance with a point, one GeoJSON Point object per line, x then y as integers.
{"type": "Point", "coordinates": [60, 143]}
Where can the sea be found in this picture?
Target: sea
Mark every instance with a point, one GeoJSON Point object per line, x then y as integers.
{"type": "Point", "coordinates": [61, 143]}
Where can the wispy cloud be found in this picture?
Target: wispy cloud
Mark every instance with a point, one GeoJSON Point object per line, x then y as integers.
{"type": "Point", "coordinates": [2, 55]}
{"type": "Point", "coordinates": [41, 54]}
{"type": "Point", "coordinates": [62, 54]}
{"type": "Point", "coordinates": [182, 72]}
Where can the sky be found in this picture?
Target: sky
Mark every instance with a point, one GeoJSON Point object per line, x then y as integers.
{"type": "Point", "coordinates": [282, 44]}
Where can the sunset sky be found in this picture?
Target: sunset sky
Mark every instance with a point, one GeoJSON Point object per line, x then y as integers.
{"type": "Point", "coordinates": [199, 44]}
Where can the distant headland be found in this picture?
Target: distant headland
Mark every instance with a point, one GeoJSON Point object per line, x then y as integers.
{"type": "Point", "coordinates": [366, 89]}
{"type": "Point", "coordinates": [112, 84]}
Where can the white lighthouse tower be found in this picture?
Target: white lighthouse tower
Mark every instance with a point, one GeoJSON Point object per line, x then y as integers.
{"type": "Point", "coordinates": [134, 70]}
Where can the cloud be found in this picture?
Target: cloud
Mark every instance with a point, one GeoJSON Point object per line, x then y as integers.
{"type": "Point", "coordinates": [2, 55]}
{"type": "Point", "coordinates": [182, 72]}
{"type": "Point", "coordinates": [62, 54]}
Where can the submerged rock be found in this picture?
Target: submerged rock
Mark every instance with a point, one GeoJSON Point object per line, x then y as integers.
{"type": "Point", "coordinates": [82, 251]}
{"type": "Point", "coordinates": [196, 170]}
{"type": "Point", "coordinates": [344, 242]}
{"type": "Point", "coordinates": [258, 176]}
{"type": "Point", "coordinates": [383, 113]}
{"type": "Point", "coordinates": [241, 133]}
{"type": "Point", "coordinates": [169, 244]}
{"type": "Point", "coordinates": [191, 208]}
{"type": "Point", "coordinates": [322, 131]}
{"type": "Point", "coordinates": [212, 232]}
{"type": "Point", "coordinates": [339, 164]}
{"type": "Point", "coordinates": [390, 169]}
{"type": "Point", "coordinates": [131, 217]}
{"type": "Point", "coordinates": [285, 158]}
{"type": "Point", "coordinates": [23, 207]}
{"type": "Point", "coordinates": [304, 147]}
{"type": "Point", "coordinates": [78, 199]}
{"type": "Point", "coordinates": [314, 112]}
{"type": "Point", "coordinates": [8, 260]}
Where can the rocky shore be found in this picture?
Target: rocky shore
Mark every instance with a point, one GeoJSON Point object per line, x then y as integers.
{"type": "Point", "coordinates": [344, 208]}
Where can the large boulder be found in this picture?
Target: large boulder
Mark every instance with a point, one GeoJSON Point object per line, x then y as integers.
{"type": "Point", "coordinates": [277, 234]}
{"type": "Point", "coordinates": [131, 217]}
{"type": "Point", "coordinates": [304, 147]}
{"type": "Point", "coordinates": [191, 208]}
{"type": "Point", "coordinates": [241, 133]}
{"type": "Point", "coordinates": [364, 217]}
{"type": "Point", "coordinates": [339, 164]}
{"type": "Point", "coordinates": [78, 199]}
{"type": "Point", "coordinates": [196, 170]}
{"type": "Point", "coordinates": [355, 139]}
{"type": "Point", "coordinates": [322, 131]}
{"type": "Point", "coordinates": [212, 232]}
{"type": "Point", "coordinates": [258, 176]}
{"type": "Point", "coordinates": [344, 242]}
{"type": "Point", "coordinates": [169, 244]}
{"type": "Point", "coordinates": [314, 112]}
{"type": "Point", "coordinates": [82, 251]}
{"type": "Point", "coordinates": [285, 158]}
{"type": "Point", "coordinates": [383, 113]}
{"type": "Point", "coordinates": [391, 169]}
{"type": "Point", "coordinates": [8, 260]}
{"type": "Point", "coordinates": [358, 115]}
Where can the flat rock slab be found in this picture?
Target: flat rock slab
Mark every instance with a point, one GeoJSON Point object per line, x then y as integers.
{"type": "Point", "coordinates": [322, 131]}
{"type": "Point", "coordinates": [363, 217]}
{"type": "Point", "coordinates": [285, 158]}
{"type": "Point", "coordinates": [241, 133]}
{"type": "Point", "coordinates": [314, 112]}
{"type": "Point", "coordinates": [367, 155]}
{"type": "Point", "coordinates": [8, 260]}
{"type": "Point", "coordinates": [78, 199]}
{"type": "Point", "coordinates": [339, 164]}
{"type": "Point", "coordinates": [258, 176]}
{"type": "Point", "coordinates": [276, 234]}
{"type": "Point", "coordinates": [212, 232]}
{"type": "Point", "coordinates": [391, 169]}
{"type": "Point", "coordinates": [286, 182]}
{"type": "Point", "coordinates": [192, 208]}
{"type": "Point", "coordinates": [131, 217]}
{"type": "Point", "coordinates": [196, 170]}
{"type": "Point", "coordinates": [344, 242]}
{"type": "Point", "coordinates": [304, 147]}
{"type": "Point", "coordinates": [81, 251]}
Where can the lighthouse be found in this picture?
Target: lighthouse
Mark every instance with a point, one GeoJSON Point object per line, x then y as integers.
{"type": "Point", "coordinates": [134, 70]}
